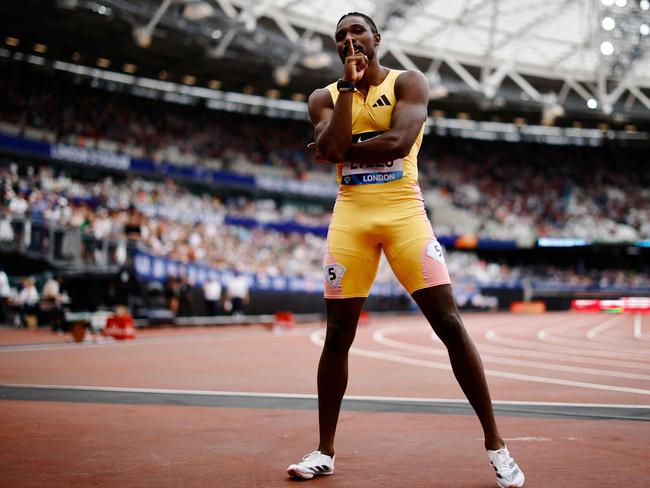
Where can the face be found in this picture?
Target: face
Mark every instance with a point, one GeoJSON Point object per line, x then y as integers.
{"type": "Point", "coordinates": [363, 39]}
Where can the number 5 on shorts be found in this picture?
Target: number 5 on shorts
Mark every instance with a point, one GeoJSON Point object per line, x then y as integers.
{"type": "Point", "coordinates": [333, 274]}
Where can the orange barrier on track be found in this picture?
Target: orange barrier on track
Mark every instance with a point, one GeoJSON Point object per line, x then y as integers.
{"type": "Point", "coordinates": [119, 327]}
{"type": "Point", "coordinates": [284, 320]}
{"type": "Point", "coordinates": [528, 307]}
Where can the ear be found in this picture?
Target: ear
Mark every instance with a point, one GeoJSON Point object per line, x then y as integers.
{"type": "Point", "coordinates": [377, 39]}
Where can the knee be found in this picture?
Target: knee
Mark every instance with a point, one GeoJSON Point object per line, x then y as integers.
{"type": "Point", "coordinates": [449, 328]}
{"type": "Point", "coordinates": [339, 337]}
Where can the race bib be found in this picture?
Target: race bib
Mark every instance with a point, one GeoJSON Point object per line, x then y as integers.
{"type": "Point", "coordinates": [371, 173]}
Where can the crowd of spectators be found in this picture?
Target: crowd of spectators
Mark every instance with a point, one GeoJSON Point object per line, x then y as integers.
{"type": "Point", "coordinates": [168, 220]}
{"type": "Point", "coordinates": [600, 194]}
{"type": "Point", "coordinates": [512, 189]}
{"type": "Point", "coordinates": [24, 303]}
{"type": "Point", "coordinates": [165, 219]}
{"type": "Point", "coordinates": [148, 128]}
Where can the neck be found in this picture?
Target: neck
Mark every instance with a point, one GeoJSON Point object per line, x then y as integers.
{"type": "Point", "coordinates": [374, 75]}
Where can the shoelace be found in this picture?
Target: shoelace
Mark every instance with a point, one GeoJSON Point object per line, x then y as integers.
{"type": "Point", "coordinates": [310, 456]}
{"type": "Point", "coordinates": [503, 462]}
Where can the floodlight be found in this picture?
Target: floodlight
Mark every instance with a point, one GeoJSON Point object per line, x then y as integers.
{"type": "Point", "coordinates": [142, 36]}
{"type": "Point", "coordinates": [592, 103]}
{"type": "Point", "coordinates": [607, 48]}
{"type": "Point", "coordinates": [198, 11]}
{"type": "Point", "coordinates": [282, 75]}
{"type": "Point", "coordinates": [608, 23]}
{"type": "Point", "coordinates": [317, 60]}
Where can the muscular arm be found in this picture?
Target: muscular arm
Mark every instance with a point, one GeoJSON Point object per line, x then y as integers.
{"type": "Point", "coordinates": [332, 123]}
{"type": "Point", "coordinates": [409, 113]}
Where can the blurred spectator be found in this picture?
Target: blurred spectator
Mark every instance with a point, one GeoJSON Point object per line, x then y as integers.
{"type": "Point", "coordinates": [51, 303]}
{"type": "Point", "coordinates": [186, 304]}
{"type": "Point", "coordinates": [172, 294]}
{"type": "Point", "coordinates": [27, 300]}
{"type": "Point", "coordinates": [6, 231]}
{"type": "Point", "coordinates": [212, 292]}
{"type": "Point", "coordinates": [5, 293]}
{"type": "Point", "coordinates": [238, 289]}
{"type": "Point", "coordinates": [133, 224]}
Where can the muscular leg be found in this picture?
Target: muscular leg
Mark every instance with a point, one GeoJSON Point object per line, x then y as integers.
{"type": "Point", "coordinates": [438, 305]}
{"type": "Point", "coordinates": [342, 318]}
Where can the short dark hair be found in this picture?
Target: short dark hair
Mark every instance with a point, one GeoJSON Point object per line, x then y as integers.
{"type": "Point", "coordinates": [371, 22]}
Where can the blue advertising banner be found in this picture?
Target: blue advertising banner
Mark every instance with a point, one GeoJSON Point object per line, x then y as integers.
{"type": "Point", "coordinates": [159, 268]}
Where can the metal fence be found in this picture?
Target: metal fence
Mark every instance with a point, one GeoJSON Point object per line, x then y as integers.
{"type": "Point", "coordinates": [64, 246]}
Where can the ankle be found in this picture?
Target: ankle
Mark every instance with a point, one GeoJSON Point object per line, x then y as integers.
{"type": "Point", "coordinates": [494, 444]}
{"type": "Point", "coordinates": [327, 452]}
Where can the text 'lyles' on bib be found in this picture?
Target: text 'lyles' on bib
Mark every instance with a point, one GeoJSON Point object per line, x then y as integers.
{"type": "Point", "coordinates": [371, 173]}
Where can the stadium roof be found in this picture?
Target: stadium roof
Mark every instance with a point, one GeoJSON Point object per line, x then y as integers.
{"type": "Point", "coordinates": [552, 56]}
{"type": "Point", "coordinates": [599, 49]}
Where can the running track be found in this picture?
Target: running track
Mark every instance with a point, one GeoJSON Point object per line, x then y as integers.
{"type": "Point", "coordinates": [232, 406]}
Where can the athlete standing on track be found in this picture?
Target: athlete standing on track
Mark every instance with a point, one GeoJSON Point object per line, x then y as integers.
{"type": "Point", "coordinates": [373, 119]}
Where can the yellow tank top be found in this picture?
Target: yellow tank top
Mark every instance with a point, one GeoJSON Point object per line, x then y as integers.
{"type": "Point", "coordinates": [371, 117]}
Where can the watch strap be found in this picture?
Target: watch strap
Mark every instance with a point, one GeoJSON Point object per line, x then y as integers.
{"type": "Point", "coordinates": [345, 86]}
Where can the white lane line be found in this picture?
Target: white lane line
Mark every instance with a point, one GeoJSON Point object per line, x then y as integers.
{"type": "Point", "coordinates": [312, 396]}
{"type": "Point", "coordinates": [316, 338]}
{"type": "Point", "coordinates": [562, 357]}
{"type": "Point", "coordinates": [592, 333]}
{"type": "Point", "coordinates": [576, 323]}
{"type": "Point", "coordinates": [380, 337]}
{"type": "Point", "coordinates": [550, 335]}
{"type": "Point", "coordinates": [492, 336]}
{"type": "Point", "coordinates": [525, 439]}
{"type": "Point", "coordinates": [638, 328]}
{"type": "Point", "coordinates": [576, 351]}
{"type": "Point", "coordinates": [534, 351]}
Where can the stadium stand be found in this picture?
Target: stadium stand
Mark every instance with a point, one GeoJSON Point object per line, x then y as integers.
{"type": "Point", "coordinates": [173, 231]}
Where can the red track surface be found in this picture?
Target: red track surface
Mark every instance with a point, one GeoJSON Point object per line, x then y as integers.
{"type": "Point", "coordinates": [593, 358]}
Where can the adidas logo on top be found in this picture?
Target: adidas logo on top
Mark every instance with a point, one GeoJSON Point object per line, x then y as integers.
{"type": "Point", "coordinates": [382, 101]}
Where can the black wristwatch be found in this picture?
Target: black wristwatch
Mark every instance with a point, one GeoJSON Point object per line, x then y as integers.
{"type": "Point", "coordinates": [345, 86]}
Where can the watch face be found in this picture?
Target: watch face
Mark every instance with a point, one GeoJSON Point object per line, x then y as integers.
{"type": "Point", "coordinates": [343, 85]}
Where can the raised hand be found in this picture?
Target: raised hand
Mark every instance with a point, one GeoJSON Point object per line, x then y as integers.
{"type": "Point", "coordinates": [355, 64]}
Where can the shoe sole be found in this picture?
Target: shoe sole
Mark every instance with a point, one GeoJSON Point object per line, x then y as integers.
{"type": "Point", "coordinates": [523, 479]}
{"type": "Point", "coordinates": [294, 473]}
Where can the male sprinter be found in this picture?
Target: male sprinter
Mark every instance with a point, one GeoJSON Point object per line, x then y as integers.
{"type": "Point", "coordinates": [373, 120]}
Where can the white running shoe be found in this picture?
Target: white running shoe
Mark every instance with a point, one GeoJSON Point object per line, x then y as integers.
{"type": "Point", "coordinates": [312, 464]}
{"type": "Point", "coordinates": [508, 473]}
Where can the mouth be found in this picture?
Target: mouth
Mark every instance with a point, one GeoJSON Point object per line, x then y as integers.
{"type": "Point", "coordinates": [357, 50]}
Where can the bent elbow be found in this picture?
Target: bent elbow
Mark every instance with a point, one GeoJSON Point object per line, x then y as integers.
{"type": "Point", "coordinates": [332, 154]}
{"type": "Point", "coordinates": [401, 147]}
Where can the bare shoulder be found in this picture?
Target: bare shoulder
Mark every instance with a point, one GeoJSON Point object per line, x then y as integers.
{"type": "Point", "coordinates": [320, 97]}
{"type": "Point", "coordinates": [318, 104]}
{"type": "Point", "coordinates": [411, 81]}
